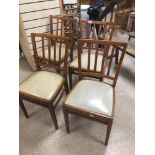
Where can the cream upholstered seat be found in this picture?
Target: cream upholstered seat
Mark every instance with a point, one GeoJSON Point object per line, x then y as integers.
{"type": "Point", "coordinates": [41, 84]}
{"type": "Point", "coordinates": [40, 54]}
{"type": "Point", "coordinates": [93, 96]}
{"type": "Point", "coordinates": [84, 62]}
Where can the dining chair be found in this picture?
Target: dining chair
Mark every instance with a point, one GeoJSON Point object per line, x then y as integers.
{"type": "Point", "coordinates": [96, 30]}
{"type": "Point", "coordinates": [43, 87]}
{"type": "Point", "coordinates": [93, 99]}
{"type": "Point", "coordinates": [64, 26]}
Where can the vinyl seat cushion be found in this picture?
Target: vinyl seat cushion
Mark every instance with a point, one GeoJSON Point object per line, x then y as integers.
{"type": "Point", "coordinates": [93, 96]}
{"type": "Point", "coordinates": [42, 84]}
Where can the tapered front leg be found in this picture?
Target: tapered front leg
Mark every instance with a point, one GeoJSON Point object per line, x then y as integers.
{"type": "Point", "coordinates": [23, 108]}
{"type": "Point", "coordinates": [108, 133]}
{"type": "Point", "coordinates": [53, 116]}
{"type": "Point", "coordinates": [66, 120]}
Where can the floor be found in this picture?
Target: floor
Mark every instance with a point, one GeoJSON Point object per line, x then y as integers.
{"type": "Point", "coordinates": [38, 135]}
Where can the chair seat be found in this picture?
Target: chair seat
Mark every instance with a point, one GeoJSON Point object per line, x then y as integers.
{"type": "Point", "coordinates": [93, 96]}
{"type": "Point", "coordinates": [40, 54]}
{"type": "Point", "coordinates": [84, 62]}
{"type": "Point", "coordinates": [42, 84]}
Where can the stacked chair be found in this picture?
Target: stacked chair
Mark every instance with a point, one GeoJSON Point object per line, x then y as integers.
{"type": "Point", "coordinates": [96, 57]}
{"type": "Point", "coordinates": [64, 26]}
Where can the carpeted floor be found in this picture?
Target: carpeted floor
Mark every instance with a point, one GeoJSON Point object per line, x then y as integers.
{"type": "Point", "coordinates": [38, 136]}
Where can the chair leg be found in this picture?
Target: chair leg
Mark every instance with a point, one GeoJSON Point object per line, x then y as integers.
{"type": "Point", "coordinates": [117, 55]}
{"type": "Point", "coordinates": [70, 79]}
{"type": "Point", "coordinates": [71, 55]}
{"type": "Point", "coordinates": [53, 116]}
{"type": "Point", "coordinates": [66, 120]}
{"type": "Point", "coordinates": [101, 79]}
{"type": "Point", "coordinates": [23, 108]}
{"type": "Point", "coordinates": [129, 38]}
{"type": "Point", "coordinates": [108, 133]}
{"type": "Point", "coordinates": [66, 87]}
{"type": "Point", "coordinates": [38, 68]}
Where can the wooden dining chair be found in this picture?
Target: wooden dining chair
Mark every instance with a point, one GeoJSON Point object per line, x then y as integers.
{"type": "Point", "coordinates": [43, 87]}
{"type": "Point", "coordinates": [92, 99]}
{"type": "Point", "coordinates": [96, 30]}
{"type": "Point", "coordinates": [64, 26]}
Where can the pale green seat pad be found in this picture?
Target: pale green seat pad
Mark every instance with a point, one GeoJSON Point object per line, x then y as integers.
{"type": "Point", "coordinates": [92, 95]}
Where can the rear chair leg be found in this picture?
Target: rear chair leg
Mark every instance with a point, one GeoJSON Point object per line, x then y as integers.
{"type": "Point", "coordinates": [101, 79]}
{"type": "Point", "coordinates": [23, 108]}
{"type": "Point", "coordinates": [53, 116]}
{"type": "Point", "coordinates": [70, 80]}
{"type": "Point", "coordinates": [66, 120]}
{"type": "Point", "coordinates": [71, 54]}
{"type": "Point", "coordinates": [66, 87]}
{"type": "Point", "coordinates": [108, 133]}
{"type": "Point", "coordinates": [117, 55]}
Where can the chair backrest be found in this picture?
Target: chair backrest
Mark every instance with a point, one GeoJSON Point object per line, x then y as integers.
{"type": "Point", "coordinates": [53, 52]}
{"type": "Point", "coordinates": [99, 61]}
{"type": "Point", "coordinates": [63, 26]}
{"type": "Point", "coordinates": [98, 30]}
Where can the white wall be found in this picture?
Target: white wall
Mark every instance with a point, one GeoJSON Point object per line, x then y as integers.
{"type": "Point", "coordinates": [34, 17]}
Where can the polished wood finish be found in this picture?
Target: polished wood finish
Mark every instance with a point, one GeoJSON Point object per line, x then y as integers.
{"type": "Point", "coordinates": [64, 26]}
{"type": "Point", "coordinates": [100, 31]}
{"type": "Point", "coordinates": [23, 108]}
{"type": "Point", "coordinates": [105, 73]}
{"type": "Point", "coordinates": [44, 61]}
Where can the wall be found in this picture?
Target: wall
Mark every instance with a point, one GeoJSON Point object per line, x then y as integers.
{"type": "Point", "coordinates": [34, 17]}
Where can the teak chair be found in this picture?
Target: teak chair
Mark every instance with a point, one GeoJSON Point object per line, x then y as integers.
{"type": "Point", "coordinates": [96, 30]}
{"type": "Point", "coordinates": [64, 26]}
{"type": "Point", "coordinates": [43, 87]}
{"type": "Point", "coordinates": [95, 100]}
